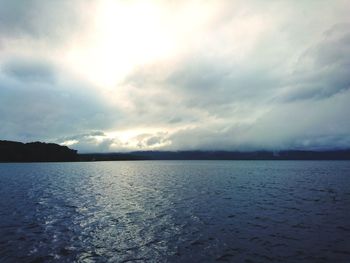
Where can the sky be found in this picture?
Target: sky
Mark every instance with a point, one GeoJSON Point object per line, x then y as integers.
{"type": "Point", "coordinates": [126, 75]}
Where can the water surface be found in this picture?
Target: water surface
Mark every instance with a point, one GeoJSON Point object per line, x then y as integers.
{"type": "Point", "coordinates": [175, 211]}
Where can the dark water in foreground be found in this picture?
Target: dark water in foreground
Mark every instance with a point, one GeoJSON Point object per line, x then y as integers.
{"type": "Point", "coordinates": [175, 211]}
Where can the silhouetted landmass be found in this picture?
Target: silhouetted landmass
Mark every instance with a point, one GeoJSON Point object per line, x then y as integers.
{"type": "Point", "coordinates": [219, 155]}
{"type": "Point", "coordinates": [133, 156]}
{"type": "Point", "coordinates": [49, 152]}
{"type": "Point", "coordinates": [35, 152]}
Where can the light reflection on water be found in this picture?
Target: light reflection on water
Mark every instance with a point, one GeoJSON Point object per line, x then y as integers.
{"type": "Point", "coordinates": [175, 211]}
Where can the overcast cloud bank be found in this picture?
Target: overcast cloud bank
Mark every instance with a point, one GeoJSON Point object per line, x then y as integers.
{"type": "Point", "coordinates": [223, 75]}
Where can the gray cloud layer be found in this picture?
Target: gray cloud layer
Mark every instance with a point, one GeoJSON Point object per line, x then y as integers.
{"type": "Point", "coordinates": [51, 20]}
{"type": "Point", "coordinates": [37, 103]}
{"type": "Point", "coordinates": [284, 86]}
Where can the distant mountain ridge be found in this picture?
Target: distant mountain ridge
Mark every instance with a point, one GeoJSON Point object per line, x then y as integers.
{"type": "Point", "coordinates": [11, 151]}
{"type": "Point", "coordinates": [219, 155]}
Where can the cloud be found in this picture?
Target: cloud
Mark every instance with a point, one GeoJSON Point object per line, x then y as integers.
{"type": "Point", "coordinates": [29, 70]}
{"type": "Point", "coordinates": [41, 19]}
{"type": "Point", "coordinates": [232, 75]}
{"type": "Point", "coordinates": [94, 141]}
{"type": "Point", "coordinates": [317, 124]}
{"type": "Point", "coordinates": [229, 101]}
{"type": "Point", "coordinates": [322, 70]}
{"type": "Point", "coordinates": [39, 102]}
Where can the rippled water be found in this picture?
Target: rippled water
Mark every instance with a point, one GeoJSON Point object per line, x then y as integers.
{"type": "Point", "coordinates": [175, 211]}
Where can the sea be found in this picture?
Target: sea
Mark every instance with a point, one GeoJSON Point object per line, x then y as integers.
{"type": "Point", "coordinates": [175, 211]}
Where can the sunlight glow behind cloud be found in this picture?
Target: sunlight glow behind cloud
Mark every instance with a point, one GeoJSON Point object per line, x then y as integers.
{"type": "Point", "coordinates": [109, 75]}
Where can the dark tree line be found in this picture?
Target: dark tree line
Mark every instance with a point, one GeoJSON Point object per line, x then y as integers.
{"type": "Point", "coordinates": [35, 152]}
{"type": "Point", "coordinates": [49, 152]}
{"type": "Point", "coordinates": [219, 155]}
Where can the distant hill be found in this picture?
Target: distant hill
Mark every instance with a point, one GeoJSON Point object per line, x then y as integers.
{"type": "Point", "coordinates": [35, 152]}
{"type": "Point", "coordinates": [219, 155]}
{"type": "Point", "coordinates": [11, 151]}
